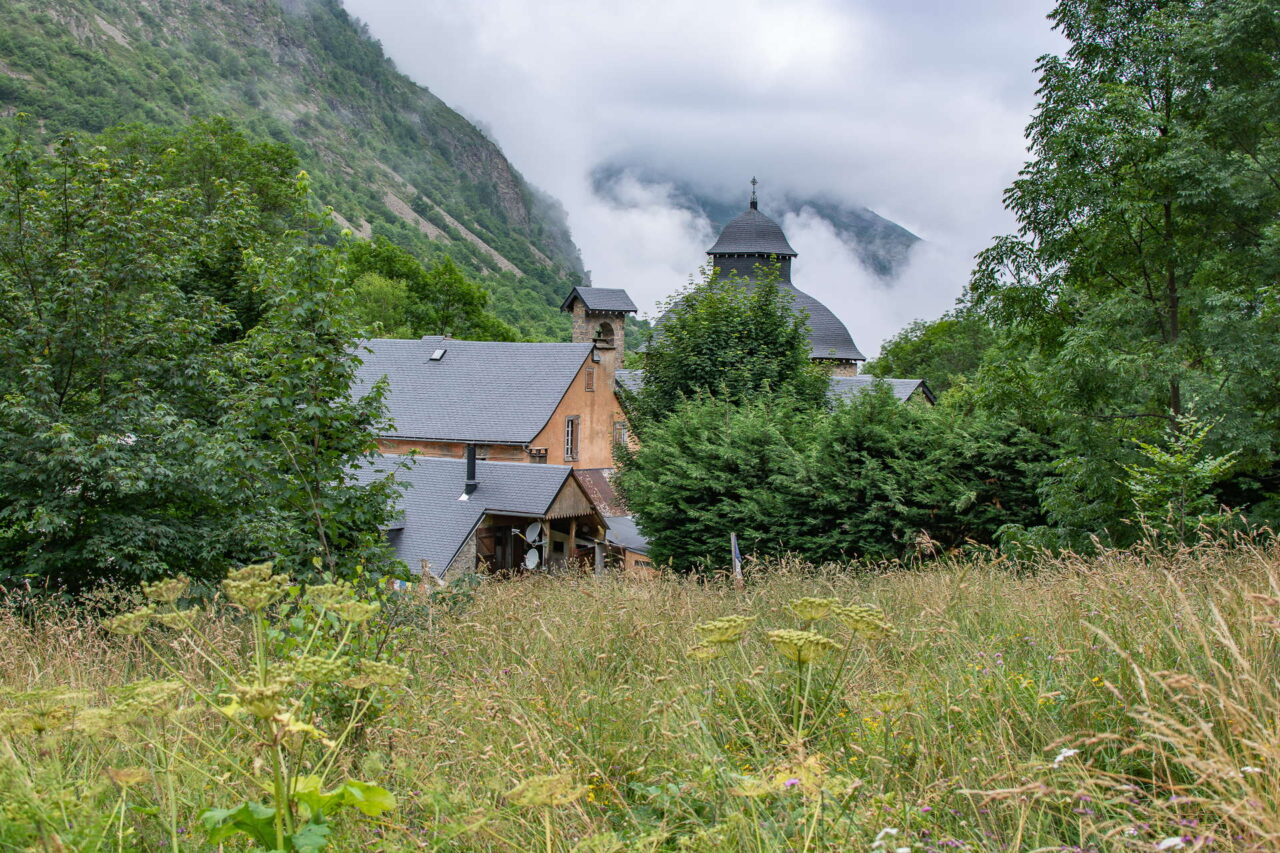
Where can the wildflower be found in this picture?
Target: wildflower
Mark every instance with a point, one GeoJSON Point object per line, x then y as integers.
{"type": "Point", "coordinates": [328, 594]}
{"type": "Point", "coordinates": [261, 701]}
{"type": "Point", "coordinates": [319, 669]}
{"type": "Point", "coordinates": [800, 646]}
{"type": "Point", "coordinates": [254, 587]}
{"type": "Point", "coordinates": [1064, 755]}
{"type": "Point", "coordinates": [701, 652]}
{"type": "Point", "coordinates": [865, 620]}
{"type": "Point", "coordinates": [883, 838]}
{"type": "Point", "coordinates": [167, 591]}
{"type": "Point", "coordinates": [295, 726]}
{"type": "Point", "coordinates": [726, 629]}
{"type": "Point", "coordinates": [791, 783]}
{"type": "Point", "coordinates": [356, 612]}
{"type": "Point", "coordinates": [175, 619]}
{"type": "Point", "coordinates": [130, 624]}
{"type": "Point", "coordinates": [97, 721]}
{"type": "Point", "coordinates": [550, 790]}
{"type": "Point", "coordinates": [812, 609]}
{"type": "Point", "coordinates": [1250, 769]}
{"type": "Point", "coordinates": [887, 701]}
{"type": "Point", "coordinates": [1172, 843]}
{"type": "Point", "coordinates": [149, 698]}
{"type": "Point", "coordinates": [376, 672]}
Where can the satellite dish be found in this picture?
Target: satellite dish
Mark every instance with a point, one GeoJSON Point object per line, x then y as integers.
{"type": "Point", "coordinates": [533, 532]}
{"type": "Point", "coordinates": [531, 559]}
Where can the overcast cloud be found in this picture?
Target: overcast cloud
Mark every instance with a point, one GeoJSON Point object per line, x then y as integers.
{"type": "Point", "coordinates": [913, 108]}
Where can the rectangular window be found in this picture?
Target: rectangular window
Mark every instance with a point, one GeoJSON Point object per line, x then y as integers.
{"type": "Point", "coordinates": [619, 432]}
{"type": "Point", "coordinates": [571, 438]}
{"type": "Point", "coordinates": [591, 379]}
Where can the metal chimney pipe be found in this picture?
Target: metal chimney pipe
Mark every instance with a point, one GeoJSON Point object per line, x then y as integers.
{"type": "Point", "coordinates": [471, 482]}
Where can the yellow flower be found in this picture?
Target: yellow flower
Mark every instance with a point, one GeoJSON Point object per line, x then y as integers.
{"type": "Point", "coordinates": [551, 790]}
{"type": "Point", "coordinates": [865, 620]}
{"type": "Point", "coordinates": [254, 587]}
{"type": "Point", "coordinates": [262, 702]}
{"type": "Point", "coordinates": [800, 646]}
{"type": "Point", "coordinates": [706, 652]}
{"type": "Point", "coordinates": [376, 672]}
{"type": "Point", "coordinates": [319, 669]}
{"type": "Point", "coordinates": [130, 624]}
{"type": "Point", "coordinates": [167, 591]}
{"type": "Point", "coordinates": [726, 629]}
{"type": "Point", "coordinates": [328, 594]}
{"type": "Point", "coordinates": [356, 612]}
{"type": "Point", "coordinates": [812, 609]}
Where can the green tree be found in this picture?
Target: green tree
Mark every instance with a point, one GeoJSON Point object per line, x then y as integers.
{"type": "Point", "coordinates": [1140, 283]}
{"type": "Point", "coordinates": [731, 339]}
{"type": "Point", "coordinates": [1171, 488]}
{"type": "Point", "coordinates": [383, 305]}
{"type": "Point", "coordinates": [941, 352]}
{"type": "Point", "coordinates": [713, 468]}
{"type": "Point", "coordinates": [441, 299]}
{"type": "Point", "coordinates": [875, 477]}
{"type": "Point", "coordinates": [297, 435]}
{"type": "Point", "coordinates": [138, 437]}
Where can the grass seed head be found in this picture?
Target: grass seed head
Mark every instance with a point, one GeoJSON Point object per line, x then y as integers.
{"type": "Point", "coordinates": [545, 791]}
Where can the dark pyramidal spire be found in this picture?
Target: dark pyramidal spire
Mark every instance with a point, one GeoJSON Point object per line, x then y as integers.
{"type": "Point", "coordinates": [752, 241]}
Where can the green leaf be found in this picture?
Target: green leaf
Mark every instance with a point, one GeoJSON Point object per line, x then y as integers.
{"type": "Point", "coordinates": [369, 799]}
{"type": "Point", "coordinates": [253, 819]}
{"type": "Point", "coordinates": [312, 836]}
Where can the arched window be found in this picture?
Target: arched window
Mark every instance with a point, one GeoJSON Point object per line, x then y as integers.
{"type": "Point", "coordinates": [604, 335]}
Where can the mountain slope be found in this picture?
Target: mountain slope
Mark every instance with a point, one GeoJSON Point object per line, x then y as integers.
{"type": "Point", "coordinates": [882, 245]}
{"type": "Point", "coordinates": [385, 153]}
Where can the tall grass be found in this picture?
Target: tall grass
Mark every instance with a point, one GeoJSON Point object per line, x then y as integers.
{"type": "Point", "coordinates": [1123, 701]}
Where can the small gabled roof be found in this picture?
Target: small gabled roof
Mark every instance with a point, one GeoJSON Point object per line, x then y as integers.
{"type": "Point", "coordinates": [477, 391]}
{"type": "Point", "coordinates": [631, 380]}
{"type": "Point", "coordinates": [622, 531]}
{"type": "Point", "coordinates": [847, 387]}
{"type": "Point", "coordinates": [752, 233]}
{"type": "Point", "coordinates": [433, 524]}
{"type": "Point", "coordinates": [610, 300]}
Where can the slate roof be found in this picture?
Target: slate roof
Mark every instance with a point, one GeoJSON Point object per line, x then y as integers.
{"type": "Point", "coordinates": [624, 533]}
{"type": "Point", "coordinates": [632, 380]}
{"type": "Point", "coordinates": [434, 524]}
{"type": "Point", "coordinates": [828, 337]}
{"type": "Point", "coordinates": [752, 233]}
{"type": "Point", "coordinates": [608, 299]}
{"type": "Point", "coordinates": [480, 391]}
{"type": "Point", "coordinates": [847, 387]}
{"type": "Point", "coordinates": [842, 387]}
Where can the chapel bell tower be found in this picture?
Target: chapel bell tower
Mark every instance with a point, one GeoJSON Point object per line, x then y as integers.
{"type": "Point", "coordinates": [599, 317]}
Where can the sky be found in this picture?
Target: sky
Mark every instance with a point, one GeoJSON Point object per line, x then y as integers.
{"type": "Point", "coordinates": [913, 108]}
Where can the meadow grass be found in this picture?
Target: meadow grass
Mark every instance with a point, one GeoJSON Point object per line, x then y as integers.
{"type": "Point", "coordinates": [1127, 700]}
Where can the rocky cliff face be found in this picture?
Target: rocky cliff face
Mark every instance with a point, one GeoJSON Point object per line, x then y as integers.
{"type": "Point", "coordinates": [385, 153]}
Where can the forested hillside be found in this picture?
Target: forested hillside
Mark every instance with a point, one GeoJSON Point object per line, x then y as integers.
{"type": "Point", "coordinates": [386, 154]}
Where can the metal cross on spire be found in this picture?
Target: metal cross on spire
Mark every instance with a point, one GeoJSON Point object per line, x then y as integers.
{"type": "Point", "coordinates": [753, 191]}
